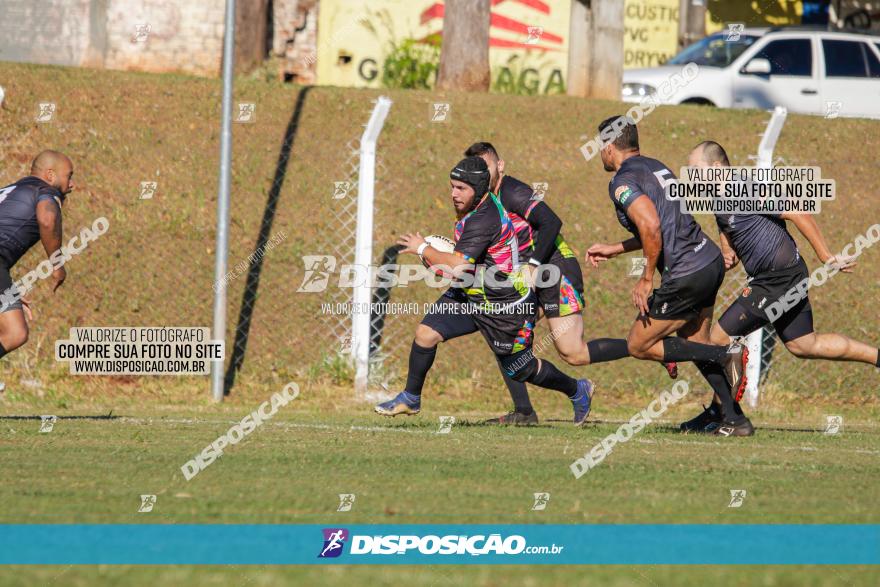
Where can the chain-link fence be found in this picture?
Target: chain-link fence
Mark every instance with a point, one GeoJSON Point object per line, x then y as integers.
{"type": "Point", "coordinates": [294, 186]}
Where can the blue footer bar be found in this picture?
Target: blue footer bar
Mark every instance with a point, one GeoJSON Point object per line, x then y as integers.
{"type": "Point", "coordinates": [268, 544]}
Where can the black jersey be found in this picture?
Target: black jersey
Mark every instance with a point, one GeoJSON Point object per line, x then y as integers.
{"type": "Point", "coordinates": [19, 230]}
{"type": "Point", "coordinates": [761, 241]}
{"type": "Point", "coordinates": [488, 238]}
{"type": "Point", "coordinates": [519, 198]}
{"type": "Point", "coordinates": [686, 248]}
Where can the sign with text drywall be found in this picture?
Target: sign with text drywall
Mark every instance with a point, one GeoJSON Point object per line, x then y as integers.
{"type": "Point", "coordinates": [650, 34]}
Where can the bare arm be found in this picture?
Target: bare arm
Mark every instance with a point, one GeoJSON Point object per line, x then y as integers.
{"type": "Point", "coordinates": [455, 261]}
{"type": "Point", "coordinates": [727, 252]}
{"type": "Point", "coordinates": [49, 221]}
{"type": "Point", "coordinates": [806, 224]}
{"type": "Point", "coordinates": [644, 215]}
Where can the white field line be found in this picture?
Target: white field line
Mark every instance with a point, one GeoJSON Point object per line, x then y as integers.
{"type": "Point", "coordinates": [433, 432]}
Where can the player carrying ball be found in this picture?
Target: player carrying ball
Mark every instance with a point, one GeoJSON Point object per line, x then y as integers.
{"type": "Point", "coordinates": [562, 302]}
{"type": "Point", "coordinates": [498, 302]}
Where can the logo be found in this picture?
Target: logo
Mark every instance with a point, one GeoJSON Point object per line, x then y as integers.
{"type": "Point", "coordinates": [761, 303]}
{"type": "Point", "coordinates": [346, 502]}
{"type": "Point", "coordinates": [47, 423]}
{"type": "Point", "coordinates": [541, 501]}
{"type": "Point", "coordinates": [148, 188]}
{"type": "Point", "coordinates": [832, 109]}
{"type": "Point", "coordinates": [45, 111]}
{"type": "Point", "coordinates": [637, 266]}
{"type": "Point", "coordinates": [247, 112]}
{"type": "Point", "coordinates": [747, 292]}
{"type": "Point", "coordinates": [833, 424]}
{"type": "Point", "coordinates": [734, 31]}
{"type": "Point", "coordinates": [664, 307]}
{"type": "Point", "coordinates": [318, 269]}
{"type": "Point", "coordinates": [539, 190]}
{"type": "Point", "coordinates": [623, 193]}
{"type": "Point", "coordinates": [340, 189]}
{"type": "Point", "coordinates": [446, 423]}
{"type": "Point", "coordinates": [737, 497]}
{"type": "Point", "coordinates": [534, 33]}
{"type": "Point", "coordinates": [334, 540]}
{"type": "Point", "coordinates": [147, 503]}
{"type": "Point", "coordinates": [141, 32]}
{"type": "Point", "coordinates": [440, 112]}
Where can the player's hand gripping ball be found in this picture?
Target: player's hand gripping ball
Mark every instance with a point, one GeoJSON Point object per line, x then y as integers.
{"type": "Point", "coordinates": [442, 244]}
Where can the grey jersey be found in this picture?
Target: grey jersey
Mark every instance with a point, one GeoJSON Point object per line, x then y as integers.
{"type": "Point", "coordinates": [761, 241]}
{"type": "Point", "coordinates": [686, 248]}
{"type": "Point", "coordinates": [19, 230]}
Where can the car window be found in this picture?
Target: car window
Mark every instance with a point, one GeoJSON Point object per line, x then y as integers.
{"type": "Point", "coordinates": [873, 62]}
{"type": "Point", "coordinates": [844, 58]}
{"type": "Point", "coordinates": [788, 57]}
{"type": "Point", "coordinates": [714, 51]}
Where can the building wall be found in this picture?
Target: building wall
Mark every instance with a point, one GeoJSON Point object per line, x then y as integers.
{"type": "Point", "coordinates": [149, 35]}
{"type": "Point", "coordinates": [44, 31]}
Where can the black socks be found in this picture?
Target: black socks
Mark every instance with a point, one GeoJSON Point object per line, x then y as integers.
{"type": "Point", "coordinates": [552, 378]}
{"type": "Point", "coordinates": [676, 349]}
{"type": "Point", "coordinates": [3, 351]}
{"type": "Point", "coordinates": [714, 375]}
{"type": "Point", "coordinates": [420, 361]}
{"type": "Point", "coordinates": [603, 350]}
{"type": "Point", "coordinates": [518, 393]}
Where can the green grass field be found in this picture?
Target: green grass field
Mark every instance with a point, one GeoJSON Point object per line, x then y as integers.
{"type": "Point", "coordinates": [292, 469]}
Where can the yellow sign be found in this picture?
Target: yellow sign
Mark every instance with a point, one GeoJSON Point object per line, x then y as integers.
{"type": "Point", "coordinates": [650, 32]}
{"type": "Point", "coordinates": [528, 40]}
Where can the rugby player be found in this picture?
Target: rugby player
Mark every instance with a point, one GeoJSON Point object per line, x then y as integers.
{"type": "Point", "coordinates": [690, 265]}
{"type": "Point", "coordinates": [498, 302]}
{"type": "Point", "coordinates": [30, 211]}
{"type": "Point", "coordinates": [774, 265]}
{"type": "Point", "coordinates": [561, 302]}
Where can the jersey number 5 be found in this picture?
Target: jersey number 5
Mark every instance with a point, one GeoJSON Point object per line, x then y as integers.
{"type": "Point", "coordinates": [5, 192]}
{"type": "Point", "coordinates": [663, 177]}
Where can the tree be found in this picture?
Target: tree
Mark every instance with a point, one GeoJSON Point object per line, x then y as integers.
{"type": "Point", "coordinates": [464, 55]}
{"type": "Point", "coordinates": [595, 54]}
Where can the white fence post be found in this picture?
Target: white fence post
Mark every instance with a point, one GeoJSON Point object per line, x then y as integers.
{"type": "Point", "coordinates": [363, 252]}
{"type": "Point", "coordinates": [754, 341]}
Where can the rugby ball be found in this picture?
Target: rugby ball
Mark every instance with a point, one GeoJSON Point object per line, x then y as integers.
{"type": "Point", "coordinates": [440, 243]}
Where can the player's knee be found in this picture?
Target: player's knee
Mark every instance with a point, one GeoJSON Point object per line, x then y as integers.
{"type": "Point", "coordinates": [520, 366]}
{"type": "Point", "coordinates": [800, 348]}
{"type": "Point", "coordinates": [637, 349]}
{"type": "Point", "coordinates": [719, 337]}
{"type": "Point", "coordinates": [15, 338]}
{"type": "Point", "coordinates": [427, 337]}
{"type": "Point", "coordinates": [574, 357]}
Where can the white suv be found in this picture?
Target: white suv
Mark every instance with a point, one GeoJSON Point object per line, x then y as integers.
{"type": "Point", "coordinates": [805, 70]}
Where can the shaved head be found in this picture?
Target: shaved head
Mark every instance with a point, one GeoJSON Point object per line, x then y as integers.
{"type": "Point", "coordinates": [55, 168]}
{"type": "Point", "coordinates": [710, 153]}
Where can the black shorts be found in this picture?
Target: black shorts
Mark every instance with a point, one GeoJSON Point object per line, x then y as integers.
{"type": "Point", "coordinates": [752, 310]}
{"type": "Point", "coordinates": [565, 297]}
{"type": "Point", "coordinates": [685, 297]}
{"type": "Point", "coordinates": [506, 332]}
{"type": "Point", "coordinates": [7, 291]}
